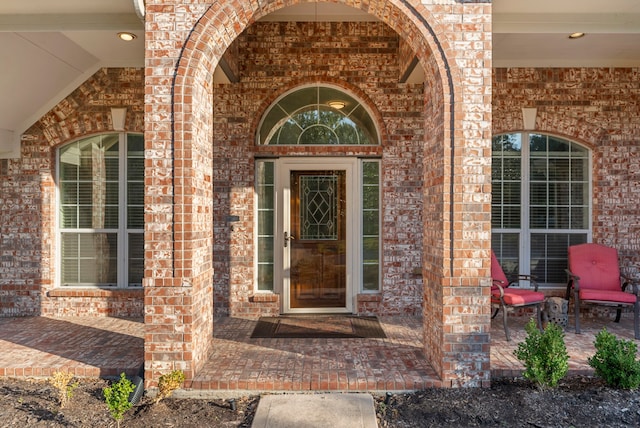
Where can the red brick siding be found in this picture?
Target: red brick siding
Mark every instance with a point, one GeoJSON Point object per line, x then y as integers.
{"type": "Point", "coordinates": [460, 53]}
{"type": "Point", "coordinates": [600, 108]}
{"type": "Point", "coordinates": [360, 57]}
{"type": "Point", "coordinates": [27, 198]}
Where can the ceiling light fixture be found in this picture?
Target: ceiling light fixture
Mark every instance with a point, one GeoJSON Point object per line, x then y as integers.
{"type": "Point", "coordinates": [126, 36]}
{"type": "Point", "coordinates": [336, 104]}
{"type": "Point", "coordinates": [576, 35]}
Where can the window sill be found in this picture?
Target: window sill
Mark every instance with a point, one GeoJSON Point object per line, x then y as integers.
{"type": "Point", "coordinates": [96, 292]}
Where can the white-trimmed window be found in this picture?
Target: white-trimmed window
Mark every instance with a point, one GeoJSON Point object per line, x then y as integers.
{"type": "Point", "coordinates": [101, 211]}
{"type": "Point", "coordinates": [541, 203]}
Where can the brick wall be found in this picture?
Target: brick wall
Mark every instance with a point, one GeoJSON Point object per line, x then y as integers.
{"type": "Point", "coordinates": [597, 107]}
{"type": "Point", "coordinates": [183, 45]}
{"type": "Point", "coordinates": [361, 58]}
{"type": "Point", "coordinates": [27, 198]}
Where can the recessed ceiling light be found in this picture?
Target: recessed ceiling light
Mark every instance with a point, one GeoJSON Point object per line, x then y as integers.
{"type": "Point", "coordinates": [336, 104]}
{"type": "Point", "coordinates": [126, 36]}
{"type": "Point", "coordinates": [576, 35]}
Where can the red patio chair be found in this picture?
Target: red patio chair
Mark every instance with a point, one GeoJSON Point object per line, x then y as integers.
{"type": "Point", "coordinates": [504, 296]}
{"type": "Point", "coordinates": [594, 276]}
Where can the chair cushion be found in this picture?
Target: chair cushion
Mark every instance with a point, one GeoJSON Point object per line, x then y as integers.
{"type": "Point", "coordinates": [519, 296]}
{"type": "Point", "coordinates": [596, 265]}
{"type": "Point", "coordinates": [497, 274]}
{"type": "Point", "coordinates": [606, 296]}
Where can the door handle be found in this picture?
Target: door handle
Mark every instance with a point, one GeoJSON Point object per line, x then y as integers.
{"type": "Point", "coordinates": [287, 237]}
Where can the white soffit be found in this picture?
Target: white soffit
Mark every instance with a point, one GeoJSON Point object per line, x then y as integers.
{"type": "Point", "coordinates": [535, 33]}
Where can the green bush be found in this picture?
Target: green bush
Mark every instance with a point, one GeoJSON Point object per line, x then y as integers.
{"type": "Point", "coordinates": [615, 361]}
{"type": "Point", "coordinates": [544, 354]}
{"type": "Point", "coordinates": [117, 397]}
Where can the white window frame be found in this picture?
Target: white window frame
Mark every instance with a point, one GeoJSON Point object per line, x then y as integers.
{"type": "Point", "coordinates": [525, 231]}
{"type": "Point", "coordinates": [122, 231]}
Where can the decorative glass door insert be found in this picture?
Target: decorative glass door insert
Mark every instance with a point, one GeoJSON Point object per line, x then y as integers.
{"type": "Point", "coordinates": [317, 239]}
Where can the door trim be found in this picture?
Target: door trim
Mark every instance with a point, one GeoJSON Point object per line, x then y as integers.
{"type": "Point", "coordinates": [284, 166]}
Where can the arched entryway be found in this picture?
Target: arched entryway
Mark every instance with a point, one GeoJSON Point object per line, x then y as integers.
{"type": "Point", "coordinates": [184, 139]}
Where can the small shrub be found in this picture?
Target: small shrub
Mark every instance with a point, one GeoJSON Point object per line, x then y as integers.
{"type": "Point", "coordinates": [169, 383]}
{"type": "Point", "coordinates": [615, 361]}
{"type": "Point", "coordinates": [544, 354]}
{"type": "Point", "coordinates": [61, 381]}
{"type": "Point", "coordinates": [117, 397]}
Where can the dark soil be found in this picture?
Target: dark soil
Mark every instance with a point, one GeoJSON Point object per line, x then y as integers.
{"type": "Point", "coordinates": [576, 402]}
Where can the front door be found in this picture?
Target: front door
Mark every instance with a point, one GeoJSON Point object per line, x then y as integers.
{"type": "Point", "coordinates": [316, 243]}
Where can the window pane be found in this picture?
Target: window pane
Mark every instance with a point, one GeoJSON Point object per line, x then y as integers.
{"type": "Point", "coordinates": [511, 217]}
{"type": "Point", "coordinates": [506, 247]}
{"type": "Point", "coordinates": [537, 144]}
{"type": "Point", "coordinates": [559, 193]}
{"type": "Point", "coordinates": [496, 216]}
{"type": "Point", "coordinates": [347, 134]}
{"type": "Point", "coordinates": [136, 259]}
{"type": "Point", "coordinates": [265, 249]}
{"type": "Point", "coordinates": [265, 222]}
{"type": "Point", "coordinates": [496, 194]}
{"type": "Point", "coordinates": [265, 277]}
{"type": "Point", "coordinates": [549, 255]}
{"type": "Point", "coordinates": [538, 217]}
{"type": "Point", "coordinates": [112, 168]}
{"type": "Point", "coordinates": [559, 169]}
{"type": "Point", "coordinates": [511, 194]}
{"type": "Point", "coordinates": [110, 218]}
{"type": "Point", "coordinates": [538, 193]}
{"type": "Point", "coordinates": [89, 258]}
{"type": "Point", "coordinates": [371, 277]}
{"type": "Point", "coordinates": [538, 169]}
{"type": "Point", "coordinates": [507, 144]}
{"type": "Point", "coordinates": [371, 225]}
{"type": "Point", "coordinates": [135, 217]}
{"type": "Point", "coordinates": [579, 218]}
{"type": "Point", "coordinates": [265, 192]}
{"type": "Point", "coordinates": [371, 251]}
{"type": "Point", "coordinates": [135, 169]}
{"type": "Point", "coordinates": [558, 147]}
{"type": "Point", "coordinates": [318, 135]}
{"type": "Point", "coordinates": [579, 194]}
{"type": "Point", "coordinates": [68, 171]}
{"type": "Point", "coordinates": [558, 218]}
{"type": "Point", "coordinates": [511, 169]}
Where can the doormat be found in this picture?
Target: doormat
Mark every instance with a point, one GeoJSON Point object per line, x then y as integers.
{"type": "Point", "coordinates": [318, 327]}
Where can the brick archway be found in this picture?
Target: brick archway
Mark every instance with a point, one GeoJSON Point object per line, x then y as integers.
{"type": "Point", "coordinates": [178, 235]}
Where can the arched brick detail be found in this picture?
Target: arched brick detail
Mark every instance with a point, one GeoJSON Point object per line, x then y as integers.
{"type": "Point", "coordinates": [572, 128]}
{"type": "Point", "coordinates": [175, 205]}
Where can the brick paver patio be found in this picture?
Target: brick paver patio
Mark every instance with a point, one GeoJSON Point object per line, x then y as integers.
{"type": "Point", "coordinates": [92, 347]}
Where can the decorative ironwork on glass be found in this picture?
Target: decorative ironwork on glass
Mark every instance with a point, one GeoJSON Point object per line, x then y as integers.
{"type": "Point", "coordinates": [319, 216]}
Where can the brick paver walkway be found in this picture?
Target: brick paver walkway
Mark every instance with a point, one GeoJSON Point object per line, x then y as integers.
{"type": "Point", "coordinates": [92, 347]}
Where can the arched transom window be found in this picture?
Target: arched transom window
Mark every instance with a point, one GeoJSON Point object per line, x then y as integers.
{"type": "Point", "coordinates": [317, 115]}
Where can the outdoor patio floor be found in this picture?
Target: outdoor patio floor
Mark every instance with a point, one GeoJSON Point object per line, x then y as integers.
{"type": "Point", "coordinates": [94, 347]}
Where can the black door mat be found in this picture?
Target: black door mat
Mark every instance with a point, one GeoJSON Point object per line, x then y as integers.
{"type": "Point", "coordinates": [318, 327]}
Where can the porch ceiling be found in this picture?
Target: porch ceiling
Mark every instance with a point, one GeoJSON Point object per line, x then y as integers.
{"type": "Point", "coordinates": [50, 47]}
